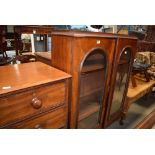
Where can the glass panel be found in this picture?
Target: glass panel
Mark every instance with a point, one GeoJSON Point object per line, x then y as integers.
{"type": "Point", "coordinates": [91, 89]}
{"type": "Point", "coordinates": [121, 79]}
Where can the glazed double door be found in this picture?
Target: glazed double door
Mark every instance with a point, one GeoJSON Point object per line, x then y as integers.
{"type": "Point", "coordinates": [102, 88]}
{"type": "Point", "coordinates": [100, 65]}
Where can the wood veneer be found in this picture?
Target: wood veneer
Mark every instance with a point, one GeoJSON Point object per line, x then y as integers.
{"type": "Point", "coordinates": [148, 122]}
{"type": "Point", "coordinates": [91, 77]}
{"type": "Point", "coordinates": [34, 99]}
{"type": "Point", "coordinates": [44, 57]}
{"type": "Point", "coordinates": [70, 53]}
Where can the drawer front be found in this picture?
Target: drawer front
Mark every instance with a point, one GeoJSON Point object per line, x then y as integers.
{"type": "Point", "coordinates": [52, 120]}
{"type": "Point", "coordinates": [25, 104]}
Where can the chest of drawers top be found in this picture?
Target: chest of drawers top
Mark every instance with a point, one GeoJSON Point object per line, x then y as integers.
{"type": "Point", "coordinates": [14, 78]}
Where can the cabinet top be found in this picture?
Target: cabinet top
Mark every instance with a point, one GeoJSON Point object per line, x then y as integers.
{"type": "Point", "coordinates": [22, 76]}
{"type": "Point", "coordinates": [33, 29]}
{"type": "Point", "coordinates": [75, 33]}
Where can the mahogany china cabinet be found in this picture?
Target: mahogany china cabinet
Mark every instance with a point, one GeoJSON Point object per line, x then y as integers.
{"type": "Point", "coordinates": [100, 65]}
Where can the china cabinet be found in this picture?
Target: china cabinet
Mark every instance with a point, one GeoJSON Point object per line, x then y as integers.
{"type": "Point", "coordinates": [100, 65]}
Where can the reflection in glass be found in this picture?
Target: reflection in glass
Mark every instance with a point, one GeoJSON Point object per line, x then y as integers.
{"type": "Point", "coordinates": [92, 80]}
{"type": "Point", "coordinates": [121, 79]}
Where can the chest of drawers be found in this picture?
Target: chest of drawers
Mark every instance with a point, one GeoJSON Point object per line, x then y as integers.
{"type": "Point", "coordinates": [33, 95]}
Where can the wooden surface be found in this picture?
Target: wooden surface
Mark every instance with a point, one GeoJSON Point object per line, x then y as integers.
{"type": "Point", "coordinates": [148, 122]}
{"type": "Point", "coordinates": [33, 95]}
{"type": "Point", "coordinates": [88, 108]}
{"type": "Point", "coordinates": [44, 57]}
{"type": "Point", "coordinates": [12, 107]}
{"type": "Point", "coordinates": [44, 54]}
{"type": "Point", "coordinates": [76, 33]}
{"type": "Point", "coordinates": [69, 56]}
{"type": "Point", "coordinates": [24, 58]}
{"type": "Point", "coordinates": [15, 77]}
{"type": "Point", "coordinates": [28, 29]}
{"type": "Point", "coordinates": [134, 93]}
{"type": "Point", "coordinates": [53, 120]}
{"type": "Point", "coordinates": [28, 53]}
{"type": "Point", "coordinates": [69, 52]}
{"type": "Point", "coordinates": [123, 47]}
{"type": "Point", "coordinates": [142, 89]}
{"type": "Point", "coordinates": [91, 68]}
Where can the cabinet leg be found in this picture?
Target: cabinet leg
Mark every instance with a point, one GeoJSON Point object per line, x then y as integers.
{"type": "Point", "coordinates": [125, 111]}
{"type": "Point", "coordinates": [121, 122]}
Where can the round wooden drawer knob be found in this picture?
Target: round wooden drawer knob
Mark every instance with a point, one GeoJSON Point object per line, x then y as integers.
{"type": "Point", "coordinates": [36, 103]}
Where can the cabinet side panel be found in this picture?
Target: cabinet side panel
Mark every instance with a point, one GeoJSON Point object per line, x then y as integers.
{"type": "Point", "coordinates": [61, 53]}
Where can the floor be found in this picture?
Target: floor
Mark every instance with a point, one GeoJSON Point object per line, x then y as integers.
{"type": "Point", "coordinates": [138, 111]}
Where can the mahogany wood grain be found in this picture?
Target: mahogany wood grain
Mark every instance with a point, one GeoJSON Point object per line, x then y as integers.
{"type": "Point", "coordinates": [31, 95]}
{"type": "Point", "coordinates": [91, 68]}
{"type": "Point", "coordinates": [71, 48]}
{"type": "Point", "coordinates": [148, 122]}
{"type": "Point", "coordinates": [84, 34]}
{"type": "Point", "coordinates": [71, 53]}
{"type": "Point", "coordinates": [20, 105]}
{"type": "Point", "coordinates": [121, 44]}
{"type": "Point", "coordinates": [44, 57]}
{"type": "Point", "coordinates": [62, 57]}
{"type": "Point", "coordinates": [29, 29]}
{"type": "Point", "coordinates": [23, 76]}
{"type": "Point", "coordinates": [53, 120]}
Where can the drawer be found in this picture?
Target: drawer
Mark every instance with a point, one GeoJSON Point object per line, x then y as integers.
{"type": "Point", "coordinates": [17, 107]}
{"type": "Point", "coordinates": [52, 120]}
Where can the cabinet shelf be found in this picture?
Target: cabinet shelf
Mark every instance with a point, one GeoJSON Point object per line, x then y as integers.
{"type": "Point", "coordinates": [91, 68]}
{"type": "Point", "coordinates": [96, 67]}
{"type": "Point", "coordinates": [90, 122]}
{"type": "Point", "coordinates": [91, 92]}
{"type": "Point", "coordinates": [88, 108]}
{"type": "Point", "coordinates": [123, 62]}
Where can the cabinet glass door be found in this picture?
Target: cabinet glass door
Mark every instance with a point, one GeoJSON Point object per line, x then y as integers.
{"type": "Point", "coordinates": [121, 81]}
{"type": "Point", "coordinates": [92, 79]}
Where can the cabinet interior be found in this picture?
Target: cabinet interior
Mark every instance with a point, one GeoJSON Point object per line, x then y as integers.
{"type": "Point", "coordinates": [121, 80]}
{"type": "Point", "coordinates": [92, 78]}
